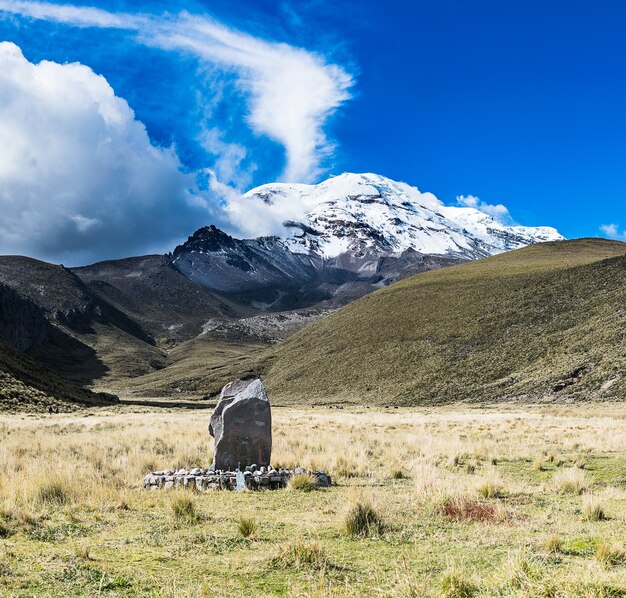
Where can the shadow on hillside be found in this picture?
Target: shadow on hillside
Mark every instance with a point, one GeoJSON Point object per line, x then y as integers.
{"type": "Point", "coordinates": [69, 357]}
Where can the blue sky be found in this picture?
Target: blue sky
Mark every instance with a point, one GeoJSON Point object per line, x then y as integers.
{"type": "Point", "coordinates": [519, 103]}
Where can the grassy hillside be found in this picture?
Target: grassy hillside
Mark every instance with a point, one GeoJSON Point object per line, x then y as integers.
{"type": "Point", "coordinates": [543, 322]}
{"type": "Point", "coordinates": [27, 386]}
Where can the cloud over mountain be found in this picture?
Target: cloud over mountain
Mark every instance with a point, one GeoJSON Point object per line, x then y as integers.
{"type": "Point", "coordinates": [79, 177]}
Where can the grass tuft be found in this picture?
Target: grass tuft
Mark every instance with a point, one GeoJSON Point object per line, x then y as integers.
{"type": "Point", "coordinates": [610, 554]}
{"type": "Point", "coordinates": [362, 520]}
{"type": "Point", "coordinates": [53, 492]}
{"type": "Point", "coordinates": [554, 544]}
{"type": "Point", "coordinates": [301, 555]}
{"type": "Point", "coordinates": [466, 508]}
{"type": "Point", "coordinates": [593, 509]}
{"type": "Point", "coordinates": [490, 486]}
{"type": "Point", "coordinates": [247, 527]}
{"type": "Point", "coordinates": [184, 509]}
{"type": "Point", "coordinates": [570, 481]}
{"type": "Point", "coordinates": [304, 482]}
{"type": "Point", "coordinates": [5, 530]}
{"type": "Point", "coordinates": [456, 584]}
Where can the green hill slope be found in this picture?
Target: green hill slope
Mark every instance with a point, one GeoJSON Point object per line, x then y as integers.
{"type": "Point", "coordinates": [544, 322]}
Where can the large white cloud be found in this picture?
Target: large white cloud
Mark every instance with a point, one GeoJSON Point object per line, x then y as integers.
{"type": "Point", "coordinates": [291, 91]}
{"type": "Point", "coordinates": [79, 177]}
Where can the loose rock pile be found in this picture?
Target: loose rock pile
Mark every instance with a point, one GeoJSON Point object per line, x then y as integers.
{"type": "Point", "coordinates": [204, 480]}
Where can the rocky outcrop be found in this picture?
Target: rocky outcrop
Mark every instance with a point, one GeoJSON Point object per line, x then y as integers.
{"type": "Point", "coordinates": [242, 426]}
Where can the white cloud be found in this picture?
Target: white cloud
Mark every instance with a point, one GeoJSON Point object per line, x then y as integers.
{"type": "Point", "coordinates": [496, 211]}
{"type": "Point", "coordinates": [79, 177]}
{"type": "Point", "coordinates": [291, 92]}
{"type": "Point", "coordinates": [612, 231]}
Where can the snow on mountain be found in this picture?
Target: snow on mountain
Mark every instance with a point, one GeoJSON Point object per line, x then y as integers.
{"type": "Point", "coordinates": [328, 244]}
{"type": "Point", "coordinates": [365, 213]}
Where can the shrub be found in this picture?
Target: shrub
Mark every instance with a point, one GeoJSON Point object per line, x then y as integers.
{"type": "Point", "coordinates": [184, 509]}
{"type": "Point", "coordinates": [362, 520]}
{"type": "Point", "coordinates": [246, 527]}
{"type": "Point", "coordinates": [592, 509]}
{"type": "Point", "coordinates": [538, 465]}
{"type": "Point", "coordinates": [299, 555]}
{"type": "Point", "coordinates": [5, 530]}
{"type": "Point", "coordinates": [570, 481]}
{"type": "Point", "coordinates": [455, 584]}
{"type": "Point", "coordinates": [305, 482]}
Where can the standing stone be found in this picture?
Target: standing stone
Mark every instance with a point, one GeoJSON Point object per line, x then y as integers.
{"type": "Point", "coordinates": [242, 426]}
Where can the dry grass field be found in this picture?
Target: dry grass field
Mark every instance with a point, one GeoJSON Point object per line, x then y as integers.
{"type": "Point", "coordinates": [428, 502]}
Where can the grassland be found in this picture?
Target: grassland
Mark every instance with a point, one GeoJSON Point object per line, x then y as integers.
{"type": "Point", "coordinates": [440, 501]}
{"type": "Point", "coordinates": [544, 323]}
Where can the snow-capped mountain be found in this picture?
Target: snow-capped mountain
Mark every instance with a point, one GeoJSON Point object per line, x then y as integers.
{"type": "Point", "coordinates": [340, 240]}
{"type": "Point", "coordinates": [361, 212]}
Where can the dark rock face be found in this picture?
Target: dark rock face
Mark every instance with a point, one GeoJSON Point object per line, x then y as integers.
{"type": "Point", "coordinates": [22, 323]}
{"type": "Point", "coordinates": [219, 262]}
{"type": "Point", "coordinates": [242, 426]}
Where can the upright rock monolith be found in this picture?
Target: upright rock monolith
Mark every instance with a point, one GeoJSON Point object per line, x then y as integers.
{"type": "Point", "coordinates": [242, 426]}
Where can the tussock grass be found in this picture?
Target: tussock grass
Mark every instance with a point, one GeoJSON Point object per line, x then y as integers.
{"type": "Point", "coordinates": [247, 527]}
{"type": "Point", "coordinates": [490, 486]}
{"type": "Point", "coordinates": [593, 510]}
{"type": "Point", "coordinates": [146, 549]}
{"type": "Point", "coordinates": [362, 520]}
{"type": "Point", "coordinates": [554, 544]}
{"type": "Point", "coordinates": [301, 555]}
{"type": "Point", "coordinates": [570, 481]}
{"type": "Point", "coordinates": [608, 554]}
{"type": "Point", "coordinates": [467, 508]}
{"type": "Point", "coordinates": [303, 482]}
{"type": "Point", "coordinates": [57, 491]}
{"type": "Point", "coordinates": [185, 509]}
{"type": "Point", "coordinates": [519, 572]}
{"type": "Point", "coordinates": [539, 465]}
{"type": "Point", "coordinates": [456, 583]}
